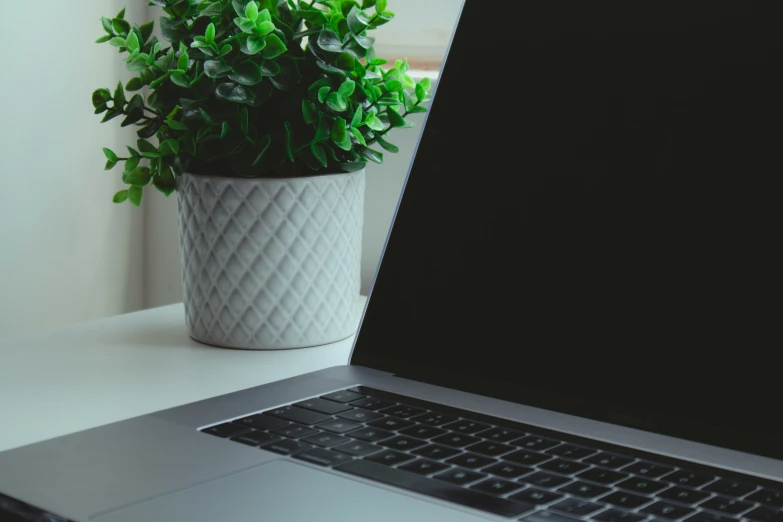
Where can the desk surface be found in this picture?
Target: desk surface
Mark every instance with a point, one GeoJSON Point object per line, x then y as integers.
{"type": "Point", "coordinates": [86, 375]}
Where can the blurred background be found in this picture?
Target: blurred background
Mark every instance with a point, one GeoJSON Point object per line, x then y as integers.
{"type": "Point", "coordinates": [67, 253]}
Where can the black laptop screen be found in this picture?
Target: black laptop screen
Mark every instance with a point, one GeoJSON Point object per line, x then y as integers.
{"type": "Point", "coordinates": [593, 219]}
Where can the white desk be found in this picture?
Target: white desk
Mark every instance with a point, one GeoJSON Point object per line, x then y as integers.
{"type": "Point", "coordinates": [86, 375]}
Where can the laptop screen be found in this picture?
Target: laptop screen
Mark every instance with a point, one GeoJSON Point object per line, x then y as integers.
{"type": "Point", "coordinates": [593, 219]}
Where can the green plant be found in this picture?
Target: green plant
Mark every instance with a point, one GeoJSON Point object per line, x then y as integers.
{"type": "Point", "coordinates": [256, 88]}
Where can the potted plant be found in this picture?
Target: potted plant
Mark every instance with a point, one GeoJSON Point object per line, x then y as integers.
{"type": "Point", "coordinates": [264, 114]}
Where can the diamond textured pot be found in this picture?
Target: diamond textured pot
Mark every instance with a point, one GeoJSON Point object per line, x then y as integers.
{"type": "Point", "coordinates": [271, 264]}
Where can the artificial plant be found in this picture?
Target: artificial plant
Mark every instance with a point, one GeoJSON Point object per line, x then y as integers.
{"type": "Point", "coordinates": [256, 88]}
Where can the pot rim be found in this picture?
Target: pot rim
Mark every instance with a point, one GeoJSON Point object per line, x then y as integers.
{"type": "Point", "coordinates": [258, 180]}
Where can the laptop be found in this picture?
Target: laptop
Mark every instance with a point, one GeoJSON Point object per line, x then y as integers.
{"type": "Point", "coordinates": [576, 316]}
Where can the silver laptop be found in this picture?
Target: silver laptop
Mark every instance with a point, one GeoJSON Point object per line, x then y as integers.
{"type": "Point", "coordinates": [576, 317]}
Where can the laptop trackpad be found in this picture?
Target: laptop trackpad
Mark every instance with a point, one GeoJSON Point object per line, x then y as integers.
{"type": "Point", "coordinates": [284, 490]}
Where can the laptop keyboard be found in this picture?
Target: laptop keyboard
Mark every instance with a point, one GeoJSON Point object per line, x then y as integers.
{"type": "Point", "coordinates": [500, 467]}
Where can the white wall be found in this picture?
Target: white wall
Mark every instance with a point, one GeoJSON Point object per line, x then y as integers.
{"type": "Point", "coordinates": [421, 30]}
{"type": "Point", "coordinates": [67, 253]}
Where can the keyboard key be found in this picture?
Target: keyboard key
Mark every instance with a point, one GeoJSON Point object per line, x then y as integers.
{"type": "Point", "coordinates": [422, 432]}
{"type": "Point", "coordinates": [526, 458]}
{"type": "Point", "coordinates": [641, 485]}
{"type": "Point", "coordinates": [455, 440]}
{"type": "Point", "coordinates": [343, 396]}
{"type": "Point", "coordinates": [390, 423]}
{"type": "Point", "coordinates": [325, 440]}
{"type": "Point", "coordinates": [424, 467]}
{"type": "Point", "coordinates": [460, 476]}
{"type": "Point", "coordinates": [389, 457]}
{"type": "Point", "coordinates": [536, 443]}
{"type": "Point", "coordinates": [226, 430]}
{"type": "Point", "coordinates": [370, 434]}
{"type": "Point", "coordinates": [584, 489]}
{"type": "Point", "coordinates": [432, 418]}
{"type": "Point", "coordinates": [255, 438]}
{"type": "Point", "coordinates": [602, 476]}
{"type": "Point", "coordinates": [500, 434]}
{"type": "Point", "coordinates": [536, 496]}
{"type": "Point", "coordinates": [466, 426]}
{"type": "Point", "coordinates": [576, 507]}
{"type": "Point", "coordinates": [617, 515]}
{"type": "Point", "coordinates": [402, 411]}
{"type": "Point", "coordinates": [338, 426]}
{"type": "Point", "coordinates": [625, 500]}
{"type": "Point", "coordinates": [564, 467]}
{"type": "Point", "coordinates": [495, 486]}
{"type": "Point", "coordinates": [543, 479]}
{"type": "Point", "coordinates": [687, 478]}
{"type": "Point", "coordinates": [548, 516]}
{"type": "Point", "coordinates": [294, 431]}
{"type": "Point", "coordinates": [609, 460]}
{"type": "Point", "coordinates": [768, 497]}
{"type": "Point", "coordinates": [298, 415]}
{"type": "Point", "coordinates": [435, 488]}
{"type": "Point", "coordinates": [322, 457]}
{"type": "Point", "coordinates": [570, 451]}
{"type": "Point", "coordinates": [667, 511]}
{"type": "Point", "coordinates": [704, 516]}
{"type": "Point", "coordinates": [359, 415]}
{"type": "Point", "coordinates": [729, 488]}
{"type": "Point", "coordinates": [471, 461]}
{"type": "Point", "coordinates": [491, 449]}
{"type": "Point", "coordinates": [683, 495]}
{"type": "Point", "coordinates": [356, 449]}
{"type": "Point", "coordinates": [648, 469]}
{"type": "Point", "coordinates": [323, 406]}
{"type": "Point", "coordinates": [507, 470]}
{"type": "Point", "coordinates": [287, 447]}
{"type": "Point", "coordinates": [261, 422]}
{"type": "Point", "coordinates": [434, 451]}
{"type": "Point", "coordinates": [726, 506]}
{"type": "Point", "coordinates": [763, 514]}
{"type": "Point", "coordinates": [373, 404]}
{"type": "Point", "coordinates": [403, 443]}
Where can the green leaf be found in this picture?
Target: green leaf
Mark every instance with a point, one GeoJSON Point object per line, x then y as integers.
{"type": "Point", "coordinates": [132, 163]}
{"type": "Point", "coordinates": [234, 92]}
{"type": "Point", "coordinates": [324, 131]}
{"type": "Point", "coordinates": [165, 181]}
{"type": "Point", "coordinates": [384, 18]}
{"type": "Point", "coordinates": [421, 93]}
{"type": "Point", "coordinates": [110, 165]}
{"type": "Point", "coordinates": [251, 11]}
{"type": "Point", "coordinates": [134, 84]}
{"type": "Point", "coordinates": [270, 68]}
{"type": "Point", "coordinates": [103, 39]}
{"type": "Point", "coordinates": [354, 166]}
{"type": "Point", "coordinates": [370, 154]}
{"type": "Point", "coordinates": [121, 196]}
{"type": "Point", "coordinates": [347, 88]}
{"type": "Point", "coordinates": [134, 195]}
{"type": "Point", "coordinates": [319, 153]}
{"type": "Point", "coordinates": [380, 6]}
{"type": "Point", "coordinates": [138, 177]}
{"type": "Point", "coordinates": [358, 135]}
{"type": "Point", "coordinates": [374, 122]}
{"type": "Point", "coordinates": [365, 42]}
{"type": "Point", "coordinates": [225, 129]}
{"type": "Point", "coordinates": [169, 148]}
{"type": "Point", "coordinates": [358, 20]}
{"type": "Point", "coordinates": [176, 125]}
{"type": "Point", "coordinates": [265, 15]}
{"type": "Point", "coordinates": [255, 45]}
{"type": "Point", "coordinates": [336, 102]}
{"type": "Point", "coordinates": [264, 143]}
{"type": "Point", "coordinates": [357, 118]}
{"type": "Point", "coordinates": [309, 112]}
{"type": "Point", "coordinates": [248, 73]}
{"type": "Point", "coordinates": [121, 14]}
{"type": "Point", "coordinates": [417, 109]}
{"type": "Point", "coordinates": [110, 115]}
{"type": "Point", "coordinates": [216, 68]}
{"type": "Point", "coordinates": [314, 16]}
{"type": "Point", "coordinates": [366, 4]}
{"type": "Point", "coordinates": [394, 85]}
{"type": "Point", "coordinates": [100, 97]}
{"type": "Point", "coordinates": [340, 134]}
{"type": "Point", "coordinates": [180, 80]}
{"type": "Point", "coordinates": [107, 25]}
{"type": "Point", "coordinates": [213, 10]}
{"type": "Point", "coordinates": [330, 68]}
{"type": "Point", "coordinates": [133, 152]}
{"type": "Point", "coordinates": [135, 111]}
{"type": "Point", "coordinates": [244, 121]}
{"type": "Point", "coordinates": [172, 30]}
{"type": "Point", "coordinates": [119, 97]}
{"type": "Point", "coordinates": [146, 30]}
{"type": "Point", "coordinates": [117, 41]}
{"type": "Point", "coordinates": [205, 116]}
{"type": "Point", "coordinates": [209, 34]}
{"type": "Point", "coordinates": [245, 24]}
{"type": "Point", "coordinates": [120, 25]}
{"type": "Point", "coordinates": [426, 83]}
{"type": "Point", "coordinates": [264, 28]}
{"type": "Point", "coordinates": [150, 129]}
{"type": "Point", "coordinates": [226, 49]}
{"type": "Point", "coordinates": [386, 145]}
{"type": "Point", "coordinates": [182, 62]}
{"type": "Point", "coordinates": [145, 146]}
{"type": "Point", "coordinates": [274, 47]}
{"type": "Point", "coordinates": [330, 41]}
{"type": "Point", "coordinates": [239, 6]}
{"type": "Point", "coordinates": [132, 42]}
{"type": "Point", "coordinates": [323, 92]}
{"type": "Point", "coordinates": [289, 141]}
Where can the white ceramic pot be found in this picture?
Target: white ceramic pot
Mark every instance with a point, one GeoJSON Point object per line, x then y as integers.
{"type": "Point", "coordinates": [271, 264]}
